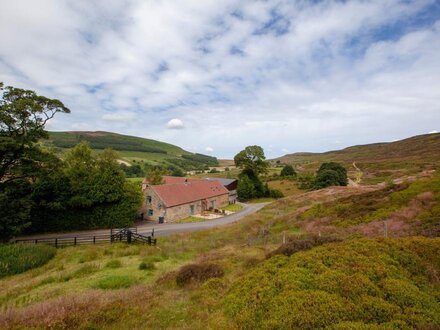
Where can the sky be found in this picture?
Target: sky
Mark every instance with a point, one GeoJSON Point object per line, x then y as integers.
{"type": "Point", "coordinates": [216, 76]}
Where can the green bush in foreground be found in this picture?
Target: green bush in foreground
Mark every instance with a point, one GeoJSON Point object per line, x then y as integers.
{"type": "Point", "coordinates": [18, 258]}
{"type": "Point", "coordinates": [147, 265]}
{"type": "Point", "coordinates": [359, 284]}
{"type": "Point", "coordinates": [115, 282]}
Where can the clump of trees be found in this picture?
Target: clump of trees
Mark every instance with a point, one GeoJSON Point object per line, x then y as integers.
{"type": "Point", "coordinates": [288, 171]}
{"type": "Point", "coordinates": [252, 163]}
{"type": "Point", "coordinates": [39, 191]}
{"type": "Point", "coordinates": [84, 192]}
{"type": "Point", "coordinates": [328, 174]}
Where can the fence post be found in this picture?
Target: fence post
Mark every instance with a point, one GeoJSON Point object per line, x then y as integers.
{"type": "Point", "coordinates": [94, 239]}
{"type": "Point", "coordinates": [129, 236]}
{"type": "Point", "coordinates": [149, 240]}
{"type": "Point", "coordinates": [56, 242]}
{"type": "Point", "coordinates": [74, 241]}
{"type": "Point", "coordinates": [36, 241]}
{"type": "Point", "coordinates": [152, 232]}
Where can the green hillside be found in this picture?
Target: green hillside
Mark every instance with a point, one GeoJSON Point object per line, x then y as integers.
{"type": "Point", "coordinates": [131, 149]}
{"type": "Point", "coordinates": [378, 161]}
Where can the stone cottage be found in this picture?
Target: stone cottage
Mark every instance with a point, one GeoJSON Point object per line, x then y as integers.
{"type": "Point", "coordinates": [173, 201]}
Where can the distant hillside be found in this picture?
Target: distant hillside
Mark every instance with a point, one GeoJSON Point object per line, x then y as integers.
{"type": "Point", "coordinates": [377, 161]}
{"type": "Point", "coordinates": [132, 149]}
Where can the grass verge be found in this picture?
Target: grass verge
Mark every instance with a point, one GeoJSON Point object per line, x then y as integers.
{"type": "Point", "coordinates": [18, 258]}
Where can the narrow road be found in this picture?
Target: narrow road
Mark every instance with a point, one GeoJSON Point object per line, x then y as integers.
{"type": "Point", "coordinates": [164, 229]}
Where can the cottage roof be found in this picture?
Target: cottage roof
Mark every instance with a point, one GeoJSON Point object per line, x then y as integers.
{"type": "Point", "coordinates": [184, 193]}
{"type": "Point", "coordinates": [223, 181]}
{"type": "Point", "coordinates": [174, 179]}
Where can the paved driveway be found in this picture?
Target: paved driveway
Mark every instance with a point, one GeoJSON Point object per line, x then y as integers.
{"type": "Point", "coordinates": [170, 228]}
{"type": "Point", "coordinates": [165, 228]}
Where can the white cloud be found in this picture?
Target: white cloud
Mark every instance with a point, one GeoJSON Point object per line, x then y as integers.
{"type": "Point", "coordinates": [175, 123]}
{"type": "Point", "coordinates": [333, 72]}
{"type": "Point", "coordinates": [209, 150]}
{"type": "Point", "coordinates": [118, 117]}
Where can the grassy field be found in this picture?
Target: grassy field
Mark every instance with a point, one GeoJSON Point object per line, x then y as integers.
{"type": "Point", "coordinates": [287, 187]}
{"type": "Point", "coordinates": [358, 282]}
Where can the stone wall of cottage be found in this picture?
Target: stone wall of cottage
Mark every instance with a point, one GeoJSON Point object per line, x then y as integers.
{"type": "Point", "coordinates": [182, 211]}
{"type": "Point", "coordinates": [155, 209]}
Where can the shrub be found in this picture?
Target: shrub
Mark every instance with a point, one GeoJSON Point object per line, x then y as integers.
{"type": "Point", "coordinates": [115, 263]}
{"type": "Point", "coordinates": [18, 258]}
{"type": "Point", "coordinates": [197, 273]}
{"type": "Point", "coordinates": [331, 174]}
{"type": "Point", "coordinates": [115, 282]}
{"type": "Point", "coordinates": [288, 171]}
{"type": "Point", "coordinates": [147, 265]}
{"type": "Point", "coordinates": [275, 193]}
{"type": "Point", "coordinates": [363, 282]}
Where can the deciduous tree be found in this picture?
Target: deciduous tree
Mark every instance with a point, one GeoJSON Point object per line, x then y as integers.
{"type": "Point", "coordinates": [252, 158]}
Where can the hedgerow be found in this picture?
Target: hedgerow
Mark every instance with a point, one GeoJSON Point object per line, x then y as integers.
{"type": "Point", "coordinates": [366, 282]}
{"type": "Point", "coordinates": [18, 258]}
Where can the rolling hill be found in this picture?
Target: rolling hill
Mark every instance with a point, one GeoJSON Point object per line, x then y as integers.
{"type": "Point", "coordinates": [379, 161]}
{"type": "Point", "coordinates": [131, 149]}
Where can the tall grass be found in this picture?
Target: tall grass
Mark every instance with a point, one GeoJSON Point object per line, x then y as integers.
{"type": "Point", "coordinates": [16, 259]}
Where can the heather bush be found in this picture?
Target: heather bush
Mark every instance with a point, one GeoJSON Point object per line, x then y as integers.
{"type": "Point", "coordinates": [18, 258]}
{"type": "Point", "coordinates": [367, 283]}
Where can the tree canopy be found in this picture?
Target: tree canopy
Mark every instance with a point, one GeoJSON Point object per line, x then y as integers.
{"type": "Point", "coordinates": [288, 170]}
{"type": "Point", "coordinates": [252, 162]}
{"type": "Point", "coordinates": [331, 174]}
{"type": "Point", "coordinates": [23, 115]}
{"type": "Point", "coordinates": [39, 191]}
{"type": "Point", "coordinates": [252, 158]}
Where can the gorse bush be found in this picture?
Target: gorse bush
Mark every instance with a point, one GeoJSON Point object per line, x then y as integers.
{"type": "Point", "coordinates": [18, 258]}
{"type": "Point", "coordinates": [366, 282]}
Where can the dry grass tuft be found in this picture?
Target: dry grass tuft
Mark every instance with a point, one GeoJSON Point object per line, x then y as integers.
{"type": "Point", "coordinates": [197, 273]}
{"type": "Point", "coordinates": [301, 244]}
{"type": "Point", "coordinates": [71, 311]}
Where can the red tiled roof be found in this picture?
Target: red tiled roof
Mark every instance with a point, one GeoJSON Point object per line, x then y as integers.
{"type": "Point", "coordinates": [174, 179]}
{"type": "Point", "coordinates": [183, 193]}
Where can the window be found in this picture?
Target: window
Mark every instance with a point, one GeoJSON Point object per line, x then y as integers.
{"type": "Point", "coordinates": [191, 209]}
{"type": "Point", "coordinates": [150, 212]}
{"type": "Point", "coordinates": [149, 199]}
{"type": "Point", "coordinates": [159, 205]}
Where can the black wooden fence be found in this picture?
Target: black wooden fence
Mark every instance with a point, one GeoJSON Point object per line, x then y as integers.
{"type": "Point", "coordinates": [126, 235]}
